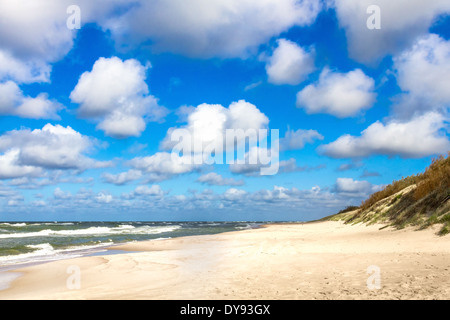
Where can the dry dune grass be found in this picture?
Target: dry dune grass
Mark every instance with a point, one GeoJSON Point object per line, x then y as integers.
{"type": "Point", "coordinates": [419, 200]}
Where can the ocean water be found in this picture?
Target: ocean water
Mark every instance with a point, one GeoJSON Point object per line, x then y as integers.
{"type": "Point", "coordinates": [29, 242]}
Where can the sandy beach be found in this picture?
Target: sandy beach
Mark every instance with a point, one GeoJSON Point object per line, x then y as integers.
{"type": "Point", "coordinates": [321, 260]}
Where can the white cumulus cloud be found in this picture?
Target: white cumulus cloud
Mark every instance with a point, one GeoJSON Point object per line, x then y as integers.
{"type": "Point", "coordinates": [154, 191]}
{"type": "Point", "coordinates": [402, 21]}
{"type": "Point", "coordinates": [339, 94]}
{"type": "Point", "coordinates": [214, 179]}
{"type": "Point", "coordinates": [115, 93]}
{"type": "Point", "coordinates": [289, 63]}
{"type": "Point", "coordinates": [423, 75]}
{"type": "Point", "coordinates": [28, 71]}
{"type": "Point", "coordinates": [103, 197]}
{"type": "Point", "coordinates": [28, 152]}
{"type": "Point", "coordinates": [122, 178]}
{"type": "Point", "coordinates": [352, 187]}
{"type": "Point", "coordinates": [162, 165]}
{"type": "Point", "coordinates": [204, 28]}
{"type": "Point", "coordinates": [207, 125]}
{"type": "Point", "coordinates": [14, 102]}
{"type": "Point", "coordinates": [294, 140]}
{"type": "Point", "coordinates": [418, 137]}
{"type": "Point", "coordinates": [44, 37]}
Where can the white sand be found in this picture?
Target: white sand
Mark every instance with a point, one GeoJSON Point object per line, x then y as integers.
{"type": "Point", "coordinates": [323, 260]}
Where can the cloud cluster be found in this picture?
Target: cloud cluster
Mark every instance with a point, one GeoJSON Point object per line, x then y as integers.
{"type": "Point", "coordinates": [214, 179]}
{"type": "Point", "coordinates": [344, 192]}
{"type": "Point", "coordinates": [115, 93]}
{"type": "Point", "coordinates": [154, 190]}
{"type": "Point", "coordinates": [161, 166]}
{"type": "Point", "coordinates": [206, 125]}
{"type": "Point", "coordinates": [417, 125]}
{"type": "Point", "coordinates": [302, 204]}
{"type": "Point", "coordinates": [339, 94]}
{"type": "Point", "coordinates": [44, 39]}
{"type": "Point", "coordinates": [122, 178]}
{"type": "Point", "coordinates": [60, 194]}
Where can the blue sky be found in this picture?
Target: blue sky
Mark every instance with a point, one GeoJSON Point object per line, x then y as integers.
{"type": "Point", "coordinates": [86, 113]}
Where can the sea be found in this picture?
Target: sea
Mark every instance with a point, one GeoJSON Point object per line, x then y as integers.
{"type": "Point", "coordinates": [35, 242]}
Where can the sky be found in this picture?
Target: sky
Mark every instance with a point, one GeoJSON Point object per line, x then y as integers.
{"type": "Point", "coordinates": [344, 96]}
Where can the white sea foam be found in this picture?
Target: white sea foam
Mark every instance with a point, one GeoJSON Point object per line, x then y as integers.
{"type": "Point", "coordinates": [26, 224]}
{"type": "Point", "coordinates": [248, 226]}
{"type": "Point", "coordinates": [92, 231]}
{"type": "Point", "coordinates": [21, 224]}
{"type": "Point", "coordinates": [6, 278]}
{"type": "Point", "coordinates": [45, 252]}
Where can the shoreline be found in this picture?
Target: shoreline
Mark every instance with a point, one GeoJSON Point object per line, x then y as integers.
{"type": "Point", "coordinates": [10, 272]}
{"type": "Point", "coordinates": [101, 248]}
{"type": "Point", "coordinates": [322, 260]}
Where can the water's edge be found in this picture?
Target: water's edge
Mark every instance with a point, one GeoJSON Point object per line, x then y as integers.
{"type": "Point", "coordinates": [9, 272]}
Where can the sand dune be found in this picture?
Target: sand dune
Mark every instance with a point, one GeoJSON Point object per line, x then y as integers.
{"type": "Point", "coordinates": [323, 260]}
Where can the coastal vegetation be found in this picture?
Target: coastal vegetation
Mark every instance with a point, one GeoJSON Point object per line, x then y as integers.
{"type": "Point", "coordinates": [420, 200]}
